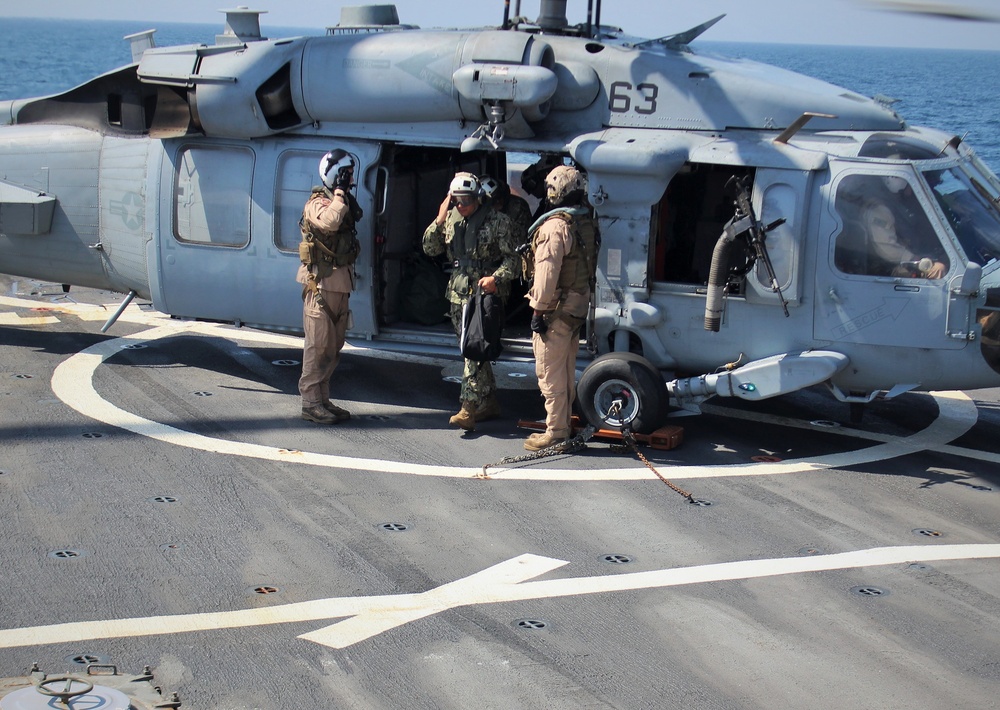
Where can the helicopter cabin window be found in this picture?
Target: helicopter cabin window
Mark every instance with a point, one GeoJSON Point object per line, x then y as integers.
{"type": "Point", "coordinates": [689, 219]}
{"type": "Point", "coordinates": [212, 196]}
{"type": "Point", "coordinates": [296, 178]}
{"type": "Point", "coordinates": [885, 230]}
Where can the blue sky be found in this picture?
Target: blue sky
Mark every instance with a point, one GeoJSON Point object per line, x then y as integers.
{"type": "Point", "coordinates": [851, 22]}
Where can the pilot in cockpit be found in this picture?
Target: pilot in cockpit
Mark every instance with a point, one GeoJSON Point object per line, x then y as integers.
{"type": "Point", "coordinates": [901, 241]}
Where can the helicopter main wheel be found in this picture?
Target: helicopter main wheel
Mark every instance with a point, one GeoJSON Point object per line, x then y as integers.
{"type": "Point", "coordinates": [630, 379]}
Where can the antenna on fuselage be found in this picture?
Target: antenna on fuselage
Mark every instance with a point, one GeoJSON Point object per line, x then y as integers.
{"type": "Point", "coordinates": [140, 42]}
{"type": "Point", "coordinates": [796, 125]}
{"type": "Point", "coordinates": [682, 39]}
{"type": "Point", "coordinates": [242, 25]}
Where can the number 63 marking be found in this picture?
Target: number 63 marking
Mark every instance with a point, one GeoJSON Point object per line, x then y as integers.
{"type": "Point", "coordinates": [621, 99]}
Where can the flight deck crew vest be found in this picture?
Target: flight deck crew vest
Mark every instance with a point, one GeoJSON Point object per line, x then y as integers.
{"type": "Point", "coordinates": [465, 237]}
{"type": "Point", "coordinates": [468, 269]}
{"type": "Point", "coordinates": [579, 267]}
{"type": "Point", "coordinates": [329, 249]}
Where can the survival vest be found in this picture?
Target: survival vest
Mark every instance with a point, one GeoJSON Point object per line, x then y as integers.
{"type": "Point", "coordinates": [329, 249]}
{"type": "Point", "coordinates": [579, 267]}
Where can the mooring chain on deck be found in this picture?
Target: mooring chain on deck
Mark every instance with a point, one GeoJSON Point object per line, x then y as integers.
{"type": "Point", "coordinates": [570, 446]}
{"type": "Point", "coordinates": [629, 442]}
{"type": "Point", "coordinates": [579, 442]}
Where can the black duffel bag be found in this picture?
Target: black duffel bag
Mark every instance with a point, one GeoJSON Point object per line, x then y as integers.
{"type": "Point", "coordinates": [482, 327]}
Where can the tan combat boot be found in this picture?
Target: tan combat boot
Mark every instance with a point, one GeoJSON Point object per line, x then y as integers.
{"type": "Point", "coordinates": [466, 417]}
{"type": "Point", "coordinates": [489, 410]}
{"type": "Point", "coordinates": [340, 413]}
{"type": "Point", "coordinates": [317, 413]}
{"type": "Point", "coordinates": [542, 440]}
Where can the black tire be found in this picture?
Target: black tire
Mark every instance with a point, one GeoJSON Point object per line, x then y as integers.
{"type": "Point", "coordinates": [614, 374]}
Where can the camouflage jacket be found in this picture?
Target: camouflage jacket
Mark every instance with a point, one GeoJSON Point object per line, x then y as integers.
{"type": "Point", "coordinates": [492, 251]}
{"type": "Point", "coordinates": [520, 217]}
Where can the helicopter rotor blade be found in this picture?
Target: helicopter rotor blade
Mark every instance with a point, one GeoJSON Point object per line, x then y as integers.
{"type": "Point", "coordinates": [942, 10]}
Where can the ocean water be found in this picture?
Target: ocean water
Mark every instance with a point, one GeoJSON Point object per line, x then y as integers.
{"type": "Point", "coordinates": [40, 57]}
{"type": "Point", "coordinates": [953, 90]}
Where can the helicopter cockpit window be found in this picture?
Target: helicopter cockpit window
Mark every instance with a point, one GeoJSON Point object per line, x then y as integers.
{"type": "Point", "coordinates": [885, 230]}
{"type": "Point", "coordinates": [212, 196]}
{"type": "Point", "coordinates": [882, 146]}
{"type": "Point", "coordinates": [972, 210]}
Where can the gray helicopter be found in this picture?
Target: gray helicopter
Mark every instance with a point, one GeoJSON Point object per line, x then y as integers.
{"type": "Point", "coordinates": [763, 231]}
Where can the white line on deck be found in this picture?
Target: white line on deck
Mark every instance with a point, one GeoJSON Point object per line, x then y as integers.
{"type": "Point", "coordinates": [366, 617]}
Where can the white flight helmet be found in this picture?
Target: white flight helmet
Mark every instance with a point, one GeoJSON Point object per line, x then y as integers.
{"type": "Point", "coordinates": [332, 168]}
{"type": "Point", "coordinates": [464, 183]}
{"type": "Point", "coordinates": [894, 183]}
{"type": "Point", "coordinates": [489, 186]}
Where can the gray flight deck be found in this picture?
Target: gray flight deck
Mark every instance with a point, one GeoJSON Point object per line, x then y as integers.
{"type": "Point", "coordinates": [162, 504]}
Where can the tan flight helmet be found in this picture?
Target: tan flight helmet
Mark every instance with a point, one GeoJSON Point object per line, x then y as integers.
{"type": "Point", "coordinates": [565, 184]}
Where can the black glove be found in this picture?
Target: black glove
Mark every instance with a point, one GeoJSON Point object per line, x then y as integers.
{"type": "Point", "coordinates": [538, 324]}
{"type": "Point", "coordinates": [343, 179]}
{"type": "Point", "coordinates": [355, 208]}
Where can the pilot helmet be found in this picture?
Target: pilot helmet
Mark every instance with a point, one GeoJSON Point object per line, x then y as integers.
{"type": "Point", "coordinates": [489, 186]}
{"type": "Point", "coordinates": [565, 184]}
{"type": "Point", "coordinates": [333, 169]}
{"type": "Point", "coordinates": [894, 184]}
{"type": "Point", "coordinates": [464, 184]}
{"type": "Point", "coordinates": [533, 176]}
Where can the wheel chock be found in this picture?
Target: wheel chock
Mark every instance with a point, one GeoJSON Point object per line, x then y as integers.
{"type": "Point", "coordinates": [663, 439]}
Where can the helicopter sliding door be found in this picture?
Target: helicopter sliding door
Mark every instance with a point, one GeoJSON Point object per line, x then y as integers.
{"type": "Point", "coordinates": [883, 277]}
{"type": "Point", "coordinates": [685, 227]}
{"type": "Point", "coordinates": [692, 255]}
{"type": "Point", "coordinates": [295, 174]}
{"type": "Point", "coordinates": [228, 242]}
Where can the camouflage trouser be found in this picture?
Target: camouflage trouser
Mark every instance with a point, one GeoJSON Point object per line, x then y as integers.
{"type": "Point", "coordinates": [478, 383]}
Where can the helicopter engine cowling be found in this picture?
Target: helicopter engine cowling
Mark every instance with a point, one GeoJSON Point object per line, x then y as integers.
{"type": "Point", "coordinates": [263, 88]}
{"type": "Point", "coordinates": [400, 77]}
{"type": "Point", "coordinates": [526, 88]}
